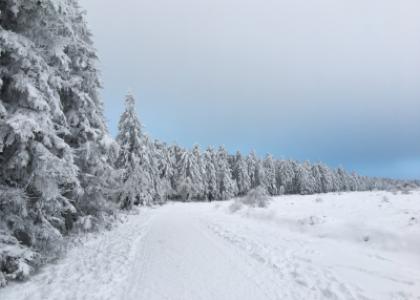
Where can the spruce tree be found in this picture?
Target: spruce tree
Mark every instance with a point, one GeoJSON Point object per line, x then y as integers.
{"type": "Point", "coordinates": [240, 174]}
{"type": "Point", "coordinates": [199, 177]}
{"type": "Point", "coordinates": [136, 181]}
{"type": "Point", "coordinates": [55, 152]}
{"type": "Point", "coordinates": [325, 178]}
{"type": "Point", "coordinates": [285, 175]}
{"type": "Point", "coordinates": [270, 175]}
{"type": "Point", "coordinates": [305, 182]}
{"type": "Point", "coordinates": [226, 187]}
{"type": "Point", "coordinates": [165, 171]}
{"type": "Point", "coordinates": [210, 176]}
{"type": "Point", "coordinates": [188, 175]}
{"type": "Point", "coordinates": [251, 161]}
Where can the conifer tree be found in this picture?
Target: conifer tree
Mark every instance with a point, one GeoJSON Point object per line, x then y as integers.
{"type": "Point", "coordinates": [285, 176]}
{"type": "Point", "coordinates": [199, 166]}
{"type": "Point", "coordinates": [225, 185]}
{"type": "Point", "coordinates": [305, 183]}
{"type": "Point", "coordinates": [55, 152]}
{"type": "Point", "coordinates": [251, 162]}
{"type": "Point", "coordinates": [240, 174]}
{"type": "Point", "coordinates": [210, 176]}
{"type": "Point", "coordinates": [326, 179]}
{"type": "Point", "coordinates": [136, 181]}
{"type": "Point", "coordinates": [165, 171]}
{"type": "Point", "coordinates": [270, 175]}
{"type": "Point", "coordinates": [188, 176]}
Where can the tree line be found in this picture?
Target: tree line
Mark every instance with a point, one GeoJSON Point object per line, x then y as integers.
{"type": "Point", "coordinates": [154, 172]}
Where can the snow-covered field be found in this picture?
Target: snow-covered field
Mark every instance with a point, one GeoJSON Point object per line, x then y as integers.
{"type": "Point", "coordinates": [362, 245]}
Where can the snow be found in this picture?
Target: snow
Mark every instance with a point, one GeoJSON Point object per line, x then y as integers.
{"type": "Point", "coordinates": [359, 245]}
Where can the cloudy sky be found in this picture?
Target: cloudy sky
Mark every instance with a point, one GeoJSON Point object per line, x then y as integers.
{"type": "Point", "coordinates": [323, 80]}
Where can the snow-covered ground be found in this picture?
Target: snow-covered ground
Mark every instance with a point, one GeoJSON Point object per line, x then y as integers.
{"type": "Point", "coordinates": [348, 246]}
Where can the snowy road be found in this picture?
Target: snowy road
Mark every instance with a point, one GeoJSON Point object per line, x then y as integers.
{"type": "Point", "coordinates": [201, 251]}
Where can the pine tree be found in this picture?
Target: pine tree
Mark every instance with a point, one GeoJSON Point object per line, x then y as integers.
{"type": "Point", "coordinates": [149, 166]}
{"type": "Point", "coordinates": [165, 171]}
{"type": "Point", "coordinates": [317, 178]}
{"type": "Point", "coordinates": [240, 174]}
{"type": "Point", "coordinates": [326, 179]}
{"type": "Point", "coordinates": [34, 154]}
{"type": "Point", "coordinates": [285, 176]}
{"type": "Point", "coordinates": [137, 182]}
{"type": "Point", "coordinates": [342, 179]}
{"type": "Point", "coordinates": [82, 107]}
{"type": "Point", "coordinates": [305, 182]}
{"type": "Point", "coordinates": [189, 183]}
{"type": "Point", "coordinates": [199, 177]}
{"type": "Point", "coordinates": [251, 162]}
{"type": "Point", "coordinates": [225, 185]}
{"type": "Point", "coordinates": [55, 153]}
{"type": "Point", "coordinates": [270, 175]}
{"type": "Point", "coordinates": [210, 176]}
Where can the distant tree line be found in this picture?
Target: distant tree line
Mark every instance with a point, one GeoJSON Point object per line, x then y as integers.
{"type": "Point", "coordinates": [154, 172]}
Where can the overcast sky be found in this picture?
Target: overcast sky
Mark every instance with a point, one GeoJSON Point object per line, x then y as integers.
{"type": "Point", "coordinates": [323, 80]}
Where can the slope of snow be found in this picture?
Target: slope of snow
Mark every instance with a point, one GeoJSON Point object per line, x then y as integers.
{"type": "Point", "coordinates": [348, 246]}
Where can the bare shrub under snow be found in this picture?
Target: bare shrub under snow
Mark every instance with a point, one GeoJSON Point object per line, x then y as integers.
{"type": "Point", "coordinates": [257, 197]}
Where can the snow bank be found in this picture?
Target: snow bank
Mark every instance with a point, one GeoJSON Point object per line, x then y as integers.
{"type": "Point", "coordinates": [384, 220]}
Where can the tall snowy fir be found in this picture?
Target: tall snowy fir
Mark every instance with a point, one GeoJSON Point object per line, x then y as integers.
{"type": "Point", "coordinates": [251, 162]}
{"type": "Point", "coordinates": [240, 174]}
{"type": "Point", "coordinates": [210, 176]}
{"type": "Point", "coordinates": [285, 176]}
{"type": "Point", "coordinates": [270, 174]}
{"type": "Point", "coordinates": [55, 152]}
{"type": "Point", "coordinates": [200, 172]}
{"type": "Point", "coordinates": [94, 148]}
{"type": "Point", "coordinates": [133, 157]}
{"type": "Point", "coordinates": [165, 171]}
{"type": "Point", "coordinates": [226, 187]}
{"type": "Point", "coordinates": [189, 174]}
{"type": "Point", "coordinates": [305, 182]}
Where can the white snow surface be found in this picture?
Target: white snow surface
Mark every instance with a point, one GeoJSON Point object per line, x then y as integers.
{"type": "Point", "coordinates": [362, 245]}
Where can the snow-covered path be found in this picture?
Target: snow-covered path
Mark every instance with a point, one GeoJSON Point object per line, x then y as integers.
{"type": "Point", "coordinates": [181, 259]}
{"type": "Point", "coordinates": [202, 251]}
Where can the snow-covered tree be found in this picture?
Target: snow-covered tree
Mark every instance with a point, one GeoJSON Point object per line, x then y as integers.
{"type": "Point", "coordinates": [256, 170]}
{"type": "Point", "coordinates": [317, 178]}
{"type": "Point", "coordinates": [137, 181]}
{"type": "Point", "coordinates": [210, 176]}
{"type": "Point", "coordinates": [55, 152]}
{"type": "Point", "coordinates": [285, 176]}
{"type": "Point", "coordinates": [149, 165]}
{"type": "Point", "coordinates": [326, 178]}
{"type": "Point", "coordinates": [251, 162]}
{"type": "Point", "coordinates": [342, 179]}
{"type": "Point", "coordinates": [225, 185]}
{"type": "Point", "coordinates": [165, 171]}
{"type": "Point", "coordinates": [240, 174]}
{"type": "Point", "coordinates": [270, 175]}
{"type": "Point", "coordinates": [199, 166]}
{"type": "Point", "coordinates": [305, 182]}
{"type": "Point", "coordinates": [189, 172]}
